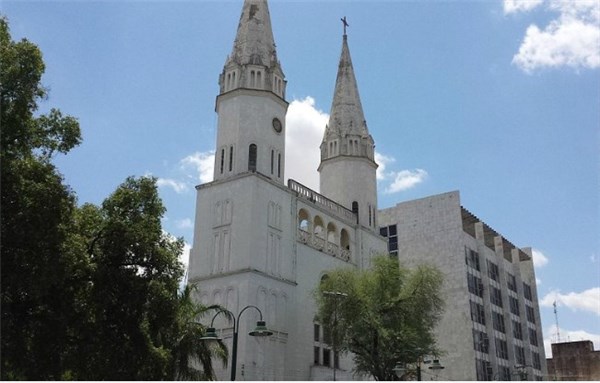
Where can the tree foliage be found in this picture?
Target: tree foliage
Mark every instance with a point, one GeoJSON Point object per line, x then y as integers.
{"type": "Point", "coordinates": [90, 292]}
{"type": "Point", "coordinates": [37, 208]}
{"type": "Point", "coordinates": [388, 315]}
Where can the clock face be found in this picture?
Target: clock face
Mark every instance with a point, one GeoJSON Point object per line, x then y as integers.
{"type": "Point", "coordinates": [277, 125]}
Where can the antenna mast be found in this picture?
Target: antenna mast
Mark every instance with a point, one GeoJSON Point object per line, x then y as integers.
{"type": "Point", "coordinates": [556, 318]}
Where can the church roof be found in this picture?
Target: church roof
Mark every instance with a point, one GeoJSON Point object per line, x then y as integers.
{"type": "Point", "coordinates": [254, 42]}
{"type": "Point", "coordinates": [346, 116]}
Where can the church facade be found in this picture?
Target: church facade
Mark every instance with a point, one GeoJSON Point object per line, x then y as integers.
{"type": "Point", "coordinates": [259, 241]}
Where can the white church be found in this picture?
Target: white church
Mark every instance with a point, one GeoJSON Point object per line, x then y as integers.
{"type": "Point", "coordinates": [259, 242]}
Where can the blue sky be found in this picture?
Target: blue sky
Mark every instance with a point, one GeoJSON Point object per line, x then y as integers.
{"type": "Point", "coordinates": [497, 99]}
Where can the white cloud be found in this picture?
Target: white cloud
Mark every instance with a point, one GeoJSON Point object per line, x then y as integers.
{"type": "Point", "coordinates": [571, 40]}
{"type": "Point", "coordinates": [177, 186]}
{"type": "Point", "coordinates": [406, 179]}
{"type": "Point", "coordinates": [185, 223]}
{"type": "Point", "coordinates": [382, 160]}
{"type": "Point", "coordinates": [539, 259]}
{"type": "Point", "coordinates": [551, 336]}
{"type": "Point", "coordinates": [513, 6]}
{"type": "Point", "coordinates": [305, 125]}
{"type": "Point", "coordinates": [588, 300]}
{"type": "Point", "coordinates": [201, 162]}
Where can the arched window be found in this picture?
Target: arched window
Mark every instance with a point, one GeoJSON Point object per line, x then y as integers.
{"type": "Point", "coordinates": [272, 160]}
{"type": "Point", "coordinates": [319, 230]}
{"type": "Point", "coordinates": [344, 240]}
{"type": "Point", "coordinates": [355, 207]}
{"type": "Point", "coordinates": [222, 159]}
{"type": "Point", "coordinates": [279, 165]}
{"type": "Point", "coordinates": [331, 233]}
{"type": "Point", "coordinates": [303, 220]}
{"type": "Point", "coordinates": [252, 157]}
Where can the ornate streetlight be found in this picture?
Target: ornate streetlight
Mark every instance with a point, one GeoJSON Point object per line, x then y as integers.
{"type": "Point", "coordinates": [260, 330]}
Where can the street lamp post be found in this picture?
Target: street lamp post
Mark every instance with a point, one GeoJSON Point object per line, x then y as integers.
{"type": "Point", "coordinates": [335, 295]}
{"type": "Point", "coordinates": [260, 330]}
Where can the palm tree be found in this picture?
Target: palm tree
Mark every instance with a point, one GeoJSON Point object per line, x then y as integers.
{"type": "Point", "coordinates": [192, 357]}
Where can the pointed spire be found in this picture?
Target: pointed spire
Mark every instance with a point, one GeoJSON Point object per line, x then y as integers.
{"type": "Point", "coordinates": [253, 60]}
{"type": "Point", "coordinates": [346, 119]}
{"type": "Point", "coordinates": [346, 110]}
{"type": "Point", "coordinates": [254, 42]}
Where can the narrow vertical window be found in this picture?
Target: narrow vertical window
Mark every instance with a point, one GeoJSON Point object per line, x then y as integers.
{"type": "Point", "coordinates": [231, 156]}
{"type": "Point", "coordinates": [369, 215]}
{"type": "Point", "coordinates": [222, 159]}
{"type": "Point", "coordinates": [272, 160]}
{"type": "Point", "coordinates": [279, 165]}
{"type": "Point", "coordinates": [252, 158]}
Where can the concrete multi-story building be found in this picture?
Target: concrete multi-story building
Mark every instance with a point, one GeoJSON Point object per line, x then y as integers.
{"type": "Point", "coordinates": [574, 361]}
{"type": "Point", "coordinates": [491, 327]}
{"type": "Point", "coordinates": [260, 242]}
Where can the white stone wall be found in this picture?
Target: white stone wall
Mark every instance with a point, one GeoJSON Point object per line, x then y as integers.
{"type": "Point", "coordinates": [245, 118]}
{"type": "Point", "coordinates": [345, 179]}
{"type": "Point", "coordinates": [252, 210]}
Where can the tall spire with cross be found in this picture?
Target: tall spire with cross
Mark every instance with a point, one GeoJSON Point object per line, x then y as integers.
{"type": "Point", "coordinates": [348, 168]}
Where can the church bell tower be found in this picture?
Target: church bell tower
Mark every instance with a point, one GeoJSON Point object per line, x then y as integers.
{"type": "Point", "coordinates": [251, 104]}
{"type": "Point", "coordinates": [348, 169]}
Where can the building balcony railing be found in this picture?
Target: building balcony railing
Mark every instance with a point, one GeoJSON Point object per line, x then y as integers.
{"type": "Point", "coordinates": [321, 244]}
{"type": "Point", "coordinates": [316, 198]}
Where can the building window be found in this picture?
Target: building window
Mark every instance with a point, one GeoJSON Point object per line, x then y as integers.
{"type": "Point", "coordinates": [472, 258]}
{"type": "Point", "coordinates": [279, 165]}
{"type": "Point", "coordinates": [535, 359]}
{"type": "Point", "coordinates": [533, 337]}
{"type": "Point", "coordinates": [477, 313]}
{"type": "Point", "coordinates": [317, 332]}
{"type": "Point", "coordinates": [317, 355]}
{"type": "Point", "coordinates": [514, 305]}
{"type": "Point", "coordinates": [492, 270]}
{"type": "Point", "coordinates": [231, 154]}
{"type": "Point", "coordinates": [527, 291]}
{"type": "Point", "coordinates": [222, 160]}
{"type": "Point", "coordinates": [511, 282]}
{"type": "Point", "coordinates": [391, 233]}
{"type": "Point", "coordinates": [495, 296]}
{"type": "Point", "coordinates": [501, 348]}
{"type": "Point", "coordinates": [484, 370]}
{"type": "Point", "coordinates": [326, 357]}
{"type": "Point", "coordinates": [504, 372]}
{"type": "Point", "coordinates": [480, 341]}
{"type": "Point", "coordinates": [530, 314]}
{"type": "Point", "coordinates": [498, 322]}
{"type": "Point", "coordinates": [517, 330]}
{"type": "Point", "coordinates": [252, 157]}
{"type": "Point", "coordinates": [520, 355]}
{"type": "Point", "coordinates": [475, 285]}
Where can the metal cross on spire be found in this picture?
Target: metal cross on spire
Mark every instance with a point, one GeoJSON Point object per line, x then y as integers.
{"type": "Point", "coordinates": [345, 24]}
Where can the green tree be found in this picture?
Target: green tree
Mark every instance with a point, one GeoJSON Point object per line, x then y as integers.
{"type": "Point", "coordinates": [132, 298]}
{"type": "Point", "coordinates": [87, 293]}
{"type": "Point", "coordinates": [188, 350]}
{"type": "Point", "coordinates": [37, 209]}
{"type": "Point", "coordinates": [386, 316]}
